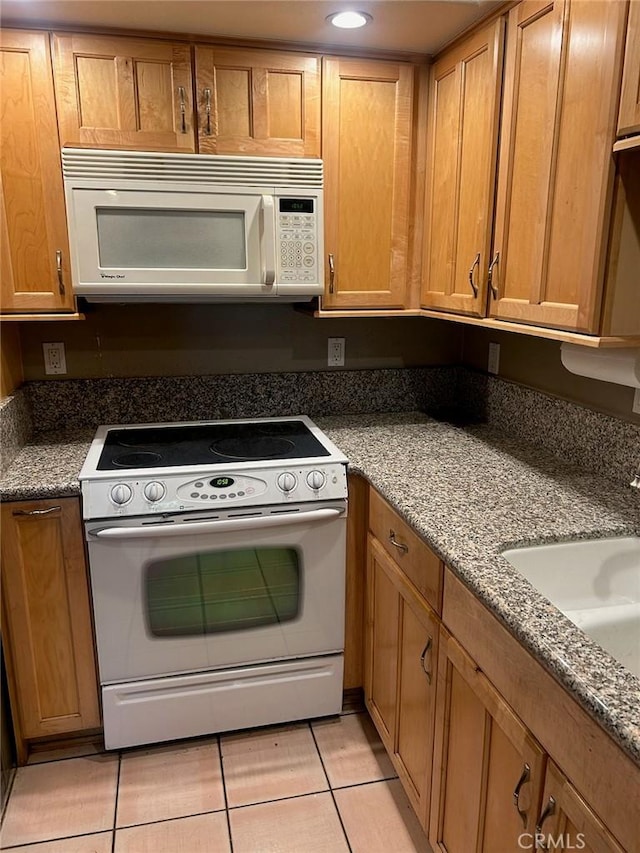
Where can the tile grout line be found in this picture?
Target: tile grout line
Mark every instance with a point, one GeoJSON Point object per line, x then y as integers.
{"type": "Point", "coordinates": [59, 838]}
{"type": "Point", "coordinates": [224, 792]}
{"type": "Point", "coordinates": [115, 805]}
{"type": "Point", "coordinates": [333, 799]}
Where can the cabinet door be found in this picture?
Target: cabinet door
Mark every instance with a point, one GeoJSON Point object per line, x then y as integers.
{"type": "Point", "coordinates": [34, 248]}
{"type": "Point", "coordinates": [463, 126]}
{"type": "Point", "coordinates": [47, 627]}
{"type": "Point", "coordinates": [263, 102]}
{"type": "Point", "coordinates": [566, 821]}
{"type": "Point", "coordinates": [416, 700]}
{"type": "Point", "coordinates": [118, 92]}
{"type": "Point", "coordinates": [488, 769]}
{"type": "Point", "coordinates": [629, 118]}
{"type": "Point", "coordinates": [381, 643]}
{"type": "Point", "coordinates": [366, 144]}
{"type": "Point", "coordinates": [556, 168]}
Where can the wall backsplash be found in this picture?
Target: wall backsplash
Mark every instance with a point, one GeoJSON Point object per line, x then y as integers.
{"type": "Point", "coordinates": [15, 426]}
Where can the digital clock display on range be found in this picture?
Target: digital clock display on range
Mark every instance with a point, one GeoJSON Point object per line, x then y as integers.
{"type": "Point", "coordinates": [296, 205]}
{"type": "Point", "coordinates": [222, 482]}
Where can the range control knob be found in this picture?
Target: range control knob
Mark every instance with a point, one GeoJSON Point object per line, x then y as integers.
{"type": "Point", "coordinates": [287, 481]}
{"type": "Point", "coordinates": [316, 480]}
{"type": "Point", "coordinates": [154, 491]}
{"type": "Point", "coordinates": [121, 494]}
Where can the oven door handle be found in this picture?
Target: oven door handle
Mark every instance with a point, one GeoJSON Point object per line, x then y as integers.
{"type": "Point", "coordinates": [185, 529]}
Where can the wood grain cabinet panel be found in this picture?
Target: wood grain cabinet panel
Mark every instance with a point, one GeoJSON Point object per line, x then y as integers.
{"type": "Point", "coordinates": [463, 129]}
{"type": "Point", "coordinates": [119, 92]}
{"type": "Point", "coordinates": [47, 626]}
{"type": "Point", "coordinates": [400, 673]}
{"type": "Point", "coordinates": [556, 170]}
{"type": "Point", "coordinates": [34, 247]}
{"type": "Point", "coordinates": [258, 102]}
{"type": "Point", "coordinates": [366, 144]}
{"type": "Point", "coordinates": [629, 118]}
{"type": "Point", "coordinates": [488, 769]}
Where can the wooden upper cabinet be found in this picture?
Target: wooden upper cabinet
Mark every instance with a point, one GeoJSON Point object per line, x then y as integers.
{"type": "Point", "coordinates": [262, 102]}
{"type": "Point", "coordinates": [47, 626]}
{"type": "Point", "coordinates": [118, 92]}
{"type": "Point", "coordinates": [488, 769]}
{"type": "Point", "coordinates": [562, 78]}
{"type": "Point", "coordinates": [366, 147]}
{"type": "Point", "coordinates": [629, 118]}
{"type": "Point", "coordinates": [463, 128]}
{"type": "Point", "coordinates": [34, 247]}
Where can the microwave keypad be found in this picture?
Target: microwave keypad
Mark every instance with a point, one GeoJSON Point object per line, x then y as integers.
{"type": "Point", "coordinates": [297, 244]}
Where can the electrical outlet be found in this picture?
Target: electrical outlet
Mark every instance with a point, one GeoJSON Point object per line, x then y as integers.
{"type": "Point", "coordinates": [54, 358]}
{"type": "Point", "coordinates": [494, 358]}
{"type": "Point", "coordinates": [335, 352]}
{"type": "Point", "coordinates": [636, 402]}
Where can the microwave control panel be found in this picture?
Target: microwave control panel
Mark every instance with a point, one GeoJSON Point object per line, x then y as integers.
{"type": "Point", "coordinates": [297, 240]}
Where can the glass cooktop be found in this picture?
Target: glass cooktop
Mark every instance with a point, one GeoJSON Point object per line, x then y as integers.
{"type": "Point", "coordinates": [212, 444]}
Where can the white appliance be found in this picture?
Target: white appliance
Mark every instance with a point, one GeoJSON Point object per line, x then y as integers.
{"type": "Point", "coordinates": [147, 226]}
{"type": "Point", "coordinates": [217, 562]}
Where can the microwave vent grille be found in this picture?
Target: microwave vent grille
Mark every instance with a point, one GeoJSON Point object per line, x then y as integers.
{"type": "Point", "coordinates": [93, 164]}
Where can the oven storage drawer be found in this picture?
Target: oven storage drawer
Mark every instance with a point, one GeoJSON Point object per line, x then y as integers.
{"type": "Point", "coordinates": [183, 706]}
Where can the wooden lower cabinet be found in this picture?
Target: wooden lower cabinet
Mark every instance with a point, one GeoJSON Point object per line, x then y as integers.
{"type": "Point", "coordinates": [488, 769]}
{"type": "Point", "coordinates": [47, 631]}
{"type": "Point", "coordinates": [566, 822]}
{"type": "Point", "coordinates": [400, 673]}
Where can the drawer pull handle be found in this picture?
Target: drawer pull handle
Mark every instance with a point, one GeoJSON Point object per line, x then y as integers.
{"type": "Point", "coordinates": [207, 102]}
{"type": "Point", "coordinates": [524, 777]}
{"type": "Point", "coordinates": [425, 651]}
{"type": "Point", "coordinates": [37, 511]}
{"type": "Point", "coordinates": [399, 545]}
{"type": "Point", "coordinates": [332, 273]}
{"type": "Point", "coordinates": [549, 809]}
{"type": "Point", "coordinates": [59, 271]}
{"type": "Point", "coordinates": [494, 263]}
{"type": "Point", "coordinates": [475, 264]}
{"type": "Point", "coordinates": [183, 109]}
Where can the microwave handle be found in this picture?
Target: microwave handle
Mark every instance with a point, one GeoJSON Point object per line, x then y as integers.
{"type": "Point", "coordinates": [249, 523]}
{"type": "Point", "coordinates": [268, 240]}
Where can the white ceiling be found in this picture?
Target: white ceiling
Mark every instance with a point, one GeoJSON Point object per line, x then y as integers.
{"type": "Point", "coordinates": [417, 26]}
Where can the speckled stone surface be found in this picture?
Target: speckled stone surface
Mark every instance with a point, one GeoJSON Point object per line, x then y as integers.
{"type": "Point", "coordinates": [598, 442]}
{"type": "Point", "coordinates": [15, 427]}
{"type": "Point", "coordinates": [79, 403]}
{"type": "Point", "coordinates": [470, 492]}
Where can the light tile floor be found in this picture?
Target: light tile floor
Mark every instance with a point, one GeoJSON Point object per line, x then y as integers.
{"type": "Point", "coordinates": [320, 787]}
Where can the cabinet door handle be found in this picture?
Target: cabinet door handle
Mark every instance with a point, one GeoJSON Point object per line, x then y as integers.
{"type": "Point", "coordinates": [492, 266]}
{"type": "Point", "coordinates": [332, 273]}
{"type": "Point", "coordinates": [59, 271]}
{"type": "Point", "coordinates": [36, 511]}
{"type": "Point", "coordinates": [399, 545]}
{"type": "Point", "coordinates": [425, 651]}
{"type": "Point", "coordinates": [549, 809]}
{"type": "Point", "coordinates": [524, 777]}
{"type": "Point", "coordinates": [183, 109]}
{"type": "Point", "coordinates": [207, 108]}
{"type": "Point", "coordinates": [475, 264]}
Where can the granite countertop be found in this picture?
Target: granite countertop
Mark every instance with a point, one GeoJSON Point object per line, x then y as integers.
{"type": "Point", "coordinates": [470, 492]}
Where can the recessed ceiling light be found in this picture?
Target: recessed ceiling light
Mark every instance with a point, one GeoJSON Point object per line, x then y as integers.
{"type": "Point", "coordinates": [349, 20]}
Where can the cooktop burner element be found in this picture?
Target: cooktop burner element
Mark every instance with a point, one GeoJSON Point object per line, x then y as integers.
{"type": "Point", "coordinates": [207, 444]}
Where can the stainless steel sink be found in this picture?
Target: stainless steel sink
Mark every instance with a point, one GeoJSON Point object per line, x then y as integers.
{"type": "Point", "coordinates": [596, 584]}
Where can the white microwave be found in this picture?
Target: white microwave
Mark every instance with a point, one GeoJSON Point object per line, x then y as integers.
{"type": "Point", "coordinates": [157, 227]}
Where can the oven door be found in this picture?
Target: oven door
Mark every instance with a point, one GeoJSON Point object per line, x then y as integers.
{"type": "Point", "coordinates": [204, 591]}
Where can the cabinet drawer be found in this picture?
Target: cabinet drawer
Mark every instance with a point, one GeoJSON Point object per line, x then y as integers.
{"type": "Point", "coordinates": [416, 559]}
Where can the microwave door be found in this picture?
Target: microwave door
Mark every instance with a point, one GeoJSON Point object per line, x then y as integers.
{"type": "Point", "coordinates": [172, 243]}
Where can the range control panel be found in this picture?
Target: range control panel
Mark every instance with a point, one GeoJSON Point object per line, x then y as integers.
{"type": "Point", "coordinates": [297, 240]}
{"type": "Point", "coordinates": [166, 492]}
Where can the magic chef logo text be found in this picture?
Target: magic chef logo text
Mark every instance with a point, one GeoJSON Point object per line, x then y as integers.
{"type": "Point", "coordinates": [107, 275]}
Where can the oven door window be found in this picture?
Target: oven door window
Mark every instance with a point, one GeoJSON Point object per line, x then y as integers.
{"type": "Point", "coordinates": [220, 591]}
